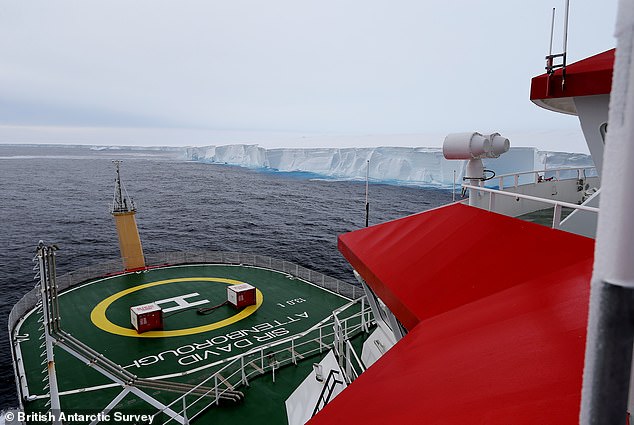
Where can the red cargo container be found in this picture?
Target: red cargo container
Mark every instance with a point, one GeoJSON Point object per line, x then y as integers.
{"type": "Point", "coordinates": [146, 317]}
{"type": "Point", "coordinates": [242, 295]}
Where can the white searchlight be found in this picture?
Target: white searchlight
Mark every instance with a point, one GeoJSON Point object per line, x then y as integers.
{"type": "Point", "coordinates": [499, 145]}
{"type": "Point", "coordinates": [474, 147]}
{"type": "Point", "coordinates": [466, 146]}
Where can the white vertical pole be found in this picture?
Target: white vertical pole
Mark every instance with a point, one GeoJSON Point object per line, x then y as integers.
{"type": "Point", "coordinates": [185, 419]}
{"type": "Point", "coordinates": [611, 320]}
{"type": "Point", "coordinates": [615, 231]}
{"type": "Point", "coordinates": [552, 31]}
{"type": "Point", "coordinates": [565, 41]}
{"type": "Point", "coordinates": [367, 190]}
{"type": "Point", "coordinates": [363, 327]}
{"type": "Point", "coordinates": [556, 216]}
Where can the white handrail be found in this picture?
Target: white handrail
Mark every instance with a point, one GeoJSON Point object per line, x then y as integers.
{"type": "Point", "coordinates": [556, 204]}
{"type": "Point", "coordinates": [539, 173]}
{"type": "Point", "coordinates": [241, 370]}
{"type": "Point", "coordinates": [321, 324]}
{"type": "Point", "coordinates": [533, 198]}
{"type": "Point", "coordinates": [548, 170]}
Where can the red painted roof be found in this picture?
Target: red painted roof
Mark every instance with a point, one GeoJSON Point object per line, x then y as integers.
{"type": "Point", "coordinates": [496, 310]}
{"type": "Point", "coordinates": [590, 76]}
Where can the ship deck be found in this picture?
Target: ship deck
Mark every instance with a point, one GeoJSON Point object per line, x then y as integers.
{"type": "Point", "coordinates": [236, 344]}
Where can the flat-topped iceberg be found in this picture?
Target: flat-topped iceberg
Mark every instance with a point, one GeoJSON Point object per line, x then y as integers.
{"type": "Point", "coordinates": [408, 165]}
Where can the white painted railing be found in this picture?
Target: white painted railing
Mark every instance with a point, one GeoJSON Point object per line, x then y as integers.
{"type": "Point", "coordinates": [556, 204]}
{"type": "Point", "coordinates": [115, 267]}
{"type": "Point", "coordinates": [582, 172]}
{"type": "Point", "coordinates": [268, 358]}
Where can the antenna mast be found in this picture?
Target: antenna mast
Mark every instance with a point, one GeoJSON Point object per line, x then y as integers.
{"type": "Point", "coordinates": [123, 211]}
{"type": "Point", "coordinates": [121, 202]}
{"type": "Point", "coordinates": [367, 189]}
{"type": "Point", "coordinates": [551, 66]}
{"type": "Point", "coordinates": [565, 46]}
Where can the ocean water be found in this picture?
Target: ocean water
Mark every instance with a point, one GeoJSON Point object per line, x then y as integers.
{"type": "Point", "coordinates": [62, 196]}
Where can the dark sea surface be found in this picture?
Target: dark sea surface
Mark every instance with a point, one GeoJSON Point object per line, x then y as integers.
{"type": "Point", "coordinates": [62, 196]}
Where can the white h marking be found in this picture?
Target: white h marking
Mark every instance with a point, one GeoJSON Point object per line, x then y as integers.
{"type": "Point", "coordinates": [180, 302]}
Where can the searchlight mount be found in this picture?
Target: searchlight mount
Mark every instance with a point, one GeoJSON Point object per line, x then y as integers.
{"type": "Point", "coordinates": [474, 147]}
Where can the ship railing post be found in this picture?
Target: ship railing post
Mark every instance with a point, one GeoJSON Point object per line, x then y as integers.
{"type": "Point", "coordinates": [273, 370]}
{"type": "Point", "coordinates": [294, 359]}
{"type": "Point", "coordinates": [516, 180]}
{"type": "Point", "coordinates": [185, 420]}
{"type": "Point", "coordinates": [335, 343]}
{"type": "Point", "coordinates": [216, 389]}
{"type": "Point", "coordinates": [348, 362]}
{"type": "Point", "coordinates": [244, 375]}
{"type": "Point", "coordinates": [320, 340]}
{"type": "Point", "coordinates": [491, 201]}
{"type": "Point", "coordinates": [556, 216]}
{"type": "Point", "coordinates": [363, 325]}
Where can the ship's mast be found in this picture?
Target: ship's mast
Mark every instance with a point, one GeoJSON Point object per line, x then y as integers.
{"type": "Point", "coordinates": [121, 202]}
{"type": "Point", "coordinates": [123, 210]}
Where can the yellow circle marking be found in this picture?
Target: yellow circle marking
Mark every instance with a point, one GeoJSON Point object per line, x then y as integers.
{"type": "Point", "coordinates": [98, 314]}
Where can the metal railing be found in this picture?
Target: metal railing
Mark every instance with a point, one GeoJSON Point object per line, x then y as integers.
{"type": "Point", "coordinates": [556, 173]}
{"type": "Point", "coordinates": [238, 370]}
{"type": "Point", "coordinates": [327, 391]}
{"type": "Point", "coordinates": [556, 204]}
{"type": "Point", "coordinates": [115, 267]}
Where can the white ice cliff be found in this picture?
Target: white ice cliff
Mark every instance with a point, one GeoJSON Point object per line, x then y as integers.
{"type": "Point", "coordinates": [418, 166]}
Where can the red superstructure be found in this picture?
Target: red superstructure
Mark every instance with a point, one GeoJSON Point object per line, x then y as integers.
{"type": "Point", "coordinates": [496, 310]}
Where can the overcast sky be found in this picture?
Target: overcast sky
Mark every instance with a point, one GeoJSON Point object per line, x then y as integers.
{"type": "Point", "coordinates": [353, 67]}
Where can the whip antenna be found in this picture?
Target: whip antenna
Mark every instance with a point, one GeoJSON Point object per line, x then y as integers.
{"type": "Point", "coordinates": [367, 188]}
{"type": "Point", "coordinates": [551, 66]}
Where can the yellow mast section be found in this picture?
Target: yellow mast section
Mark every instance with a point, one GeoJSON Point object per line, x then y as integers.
{"type": "Point", "coordinates": [123, 211]}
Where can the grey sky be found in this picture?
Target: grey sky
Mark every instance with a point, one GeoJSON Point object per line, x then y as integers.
{"type": "Point", "coordinates": [343, 67]}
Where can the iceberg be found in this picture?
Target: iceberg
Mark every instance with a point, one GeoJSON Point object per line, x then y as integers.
{"type": "Point", "coordinates": [400, 165]}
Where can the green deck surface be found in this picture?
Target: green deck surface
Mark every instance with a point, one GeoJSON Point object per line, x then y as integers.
{"type": "Point", "coordinates": [289, 306]}
{"type": "Point", "coordinates": [545, 216]}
